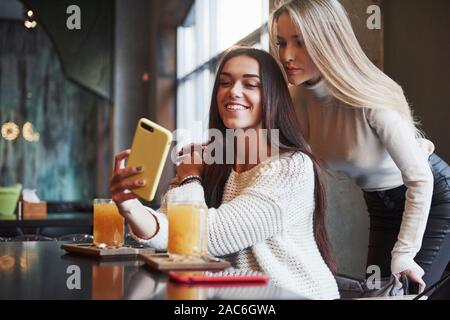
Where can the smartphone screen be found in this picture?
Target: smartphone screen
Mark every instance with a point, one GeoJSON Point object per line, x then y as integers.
{"type": "Point", "coordinates": [227, 275]}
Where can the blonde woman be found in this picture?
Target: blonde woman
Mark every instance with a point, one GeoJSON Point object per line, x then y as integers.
{"type": "Point", "coordinates": [360, 123]}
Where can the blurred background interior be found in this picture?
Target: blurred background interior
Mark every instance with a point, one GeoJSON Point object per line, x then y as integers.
{"type": "Point", "coordinates": [70, 99]}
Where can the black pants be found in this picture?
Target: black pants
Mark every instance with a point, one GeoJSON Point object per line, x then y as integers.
{"type": "Point", "coordinates": [386, 210]}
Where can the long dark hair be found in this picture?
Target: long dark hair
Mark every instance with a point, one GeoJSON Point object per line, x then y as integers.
{"type": "Point", "coordinates": [278, 113]}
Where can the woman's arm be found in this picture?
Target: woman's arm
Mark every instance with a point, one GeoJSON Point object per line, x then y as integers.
{"type": "Point", "coordinates": [256, 214]}
{"type": "Point", "coordinates": [146, 223]}
{"type": "Point", "coordinates": [399, 139]}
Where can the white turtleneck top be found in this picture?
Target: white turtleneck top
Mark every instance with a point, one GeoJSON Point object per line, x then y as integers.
{"type": "Point", "coordinates": [378, 149]}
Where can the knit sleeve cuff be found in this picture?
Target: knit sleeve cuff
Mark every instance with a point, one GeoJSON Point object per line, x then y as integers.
{"type": "Point", "coordinates": [400, 263]}
{"type": "Point", "coordinates": [160, 239]}
{"type": "Point", "coordinates": [193, 189]}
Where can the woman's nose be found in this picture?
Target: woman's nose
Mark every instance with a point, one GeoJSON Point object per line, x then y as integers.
{"type": "Point", "coordinates": [287, 55]}
{"type": "Point", "coordinates": [236, 90]}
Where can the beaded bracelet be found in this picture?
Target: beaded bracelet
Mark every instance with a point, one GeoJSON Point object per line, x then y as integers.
{"type": "Point", "coordinates": [188, 179]}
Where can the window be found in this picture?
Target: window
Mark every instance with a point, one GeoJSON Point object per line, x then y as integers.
{"type": "Point", "coordinates": [211, 27]}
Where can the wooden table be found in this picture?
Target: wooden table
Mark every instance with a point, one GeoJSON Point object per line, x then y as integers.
{"type": "Point", "coordinates": [42, 270]}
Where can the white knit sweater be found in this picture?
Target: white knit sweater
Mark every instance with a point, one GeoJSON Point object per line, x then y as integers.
{"type": "Point", "coordinates": [265, 223]}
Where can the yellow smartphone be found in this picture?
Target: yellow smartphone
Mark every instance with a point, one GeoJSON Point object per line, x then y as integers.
{"type": "Point", "coordinates": [150, 147]}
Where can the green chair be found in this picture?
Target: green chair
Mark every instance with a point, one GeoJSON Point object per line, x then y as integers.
{"type": "Point", "coordinates": [8, 199]}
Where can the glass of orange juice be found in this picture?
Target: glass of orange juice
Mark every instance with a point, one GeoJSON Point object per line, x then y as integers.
{"type": "Point", "coordinates": [188, 233]}
{"type": "Point", "coordinates": [109, 225]}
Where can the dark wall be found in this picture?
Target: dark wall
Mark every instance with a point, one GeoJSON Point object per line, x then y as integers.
{"type": "Point", "coordinates": [144, 47]}
{"type": "Point", "coordinates": [86, 53]}
{"type": "Point", "coordinates": [72, 121]}
{"type": "Point", "coordinates": [417, 56]}
{"type": "Point", "coordinates": [134, 68]}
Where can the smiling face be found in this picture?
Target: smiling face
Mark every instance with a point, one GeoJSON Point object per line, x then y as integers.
{"type": "Point", "coordinates": [296, 61]}
{"type": "Point", "coordinates": [239, 94]}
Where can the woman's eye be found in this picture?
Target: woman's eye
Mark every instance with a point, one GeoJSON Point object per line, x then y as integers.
{"type": "Point", "coordinates": [300, 44]}
{"type": "Point", "coordinates": [251, 85]}
{"type": "Point", "coordinates": [279, 44]}
{"type": "Point", "coordinates": [224, 83]}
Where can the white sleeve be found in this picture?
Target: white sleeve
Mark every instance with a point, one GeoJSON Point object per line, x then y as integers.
{"type": "Point", "coordinates": [399, 139]}
{"type": "Point", "coordinates": [159, 241]}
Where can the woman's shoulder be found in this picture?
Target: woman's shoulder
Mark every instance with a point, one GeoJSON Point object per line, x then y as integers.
{"type": "Point", "coordinates": [280, 171]}
{"type": "Point", "coordinates": [293, 158]}
{"type": "Point", "coordinates": [289, 163]}
{"type": "Point", "coordinates": [284, 173]}
{"type": "Point", "coordinates": [382, 117]}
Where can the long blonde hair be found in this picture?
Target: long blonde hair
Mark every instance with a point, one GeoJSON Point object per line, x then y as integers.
{"type": "Point", "coordinates": [331, 42]}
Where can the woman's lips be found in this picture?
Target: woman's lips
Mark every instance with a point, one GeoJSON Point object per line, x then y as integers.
{"type": "Point", "coordinates": [291, 71]}
{"type": "Point", "coordinates": [235, 107]}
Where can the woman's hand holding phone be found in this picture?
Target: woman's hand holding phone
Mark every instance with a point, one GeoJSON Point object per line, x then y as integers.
{"type": "Point", "coordinates": [143, 224]}
{"type": "Point", "coordinates": [119, 187]}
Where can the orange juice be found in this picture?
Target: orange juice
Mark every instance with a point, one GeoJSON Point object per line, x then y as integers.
{"type": "Point", "coordinates": [107, 282]}
{"type": "Point", "coordinates": [187, 229]}
{"type": "Point", "coordinates": [109, 225]}
{"type": "Point", "coordinates": [176, 291]}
